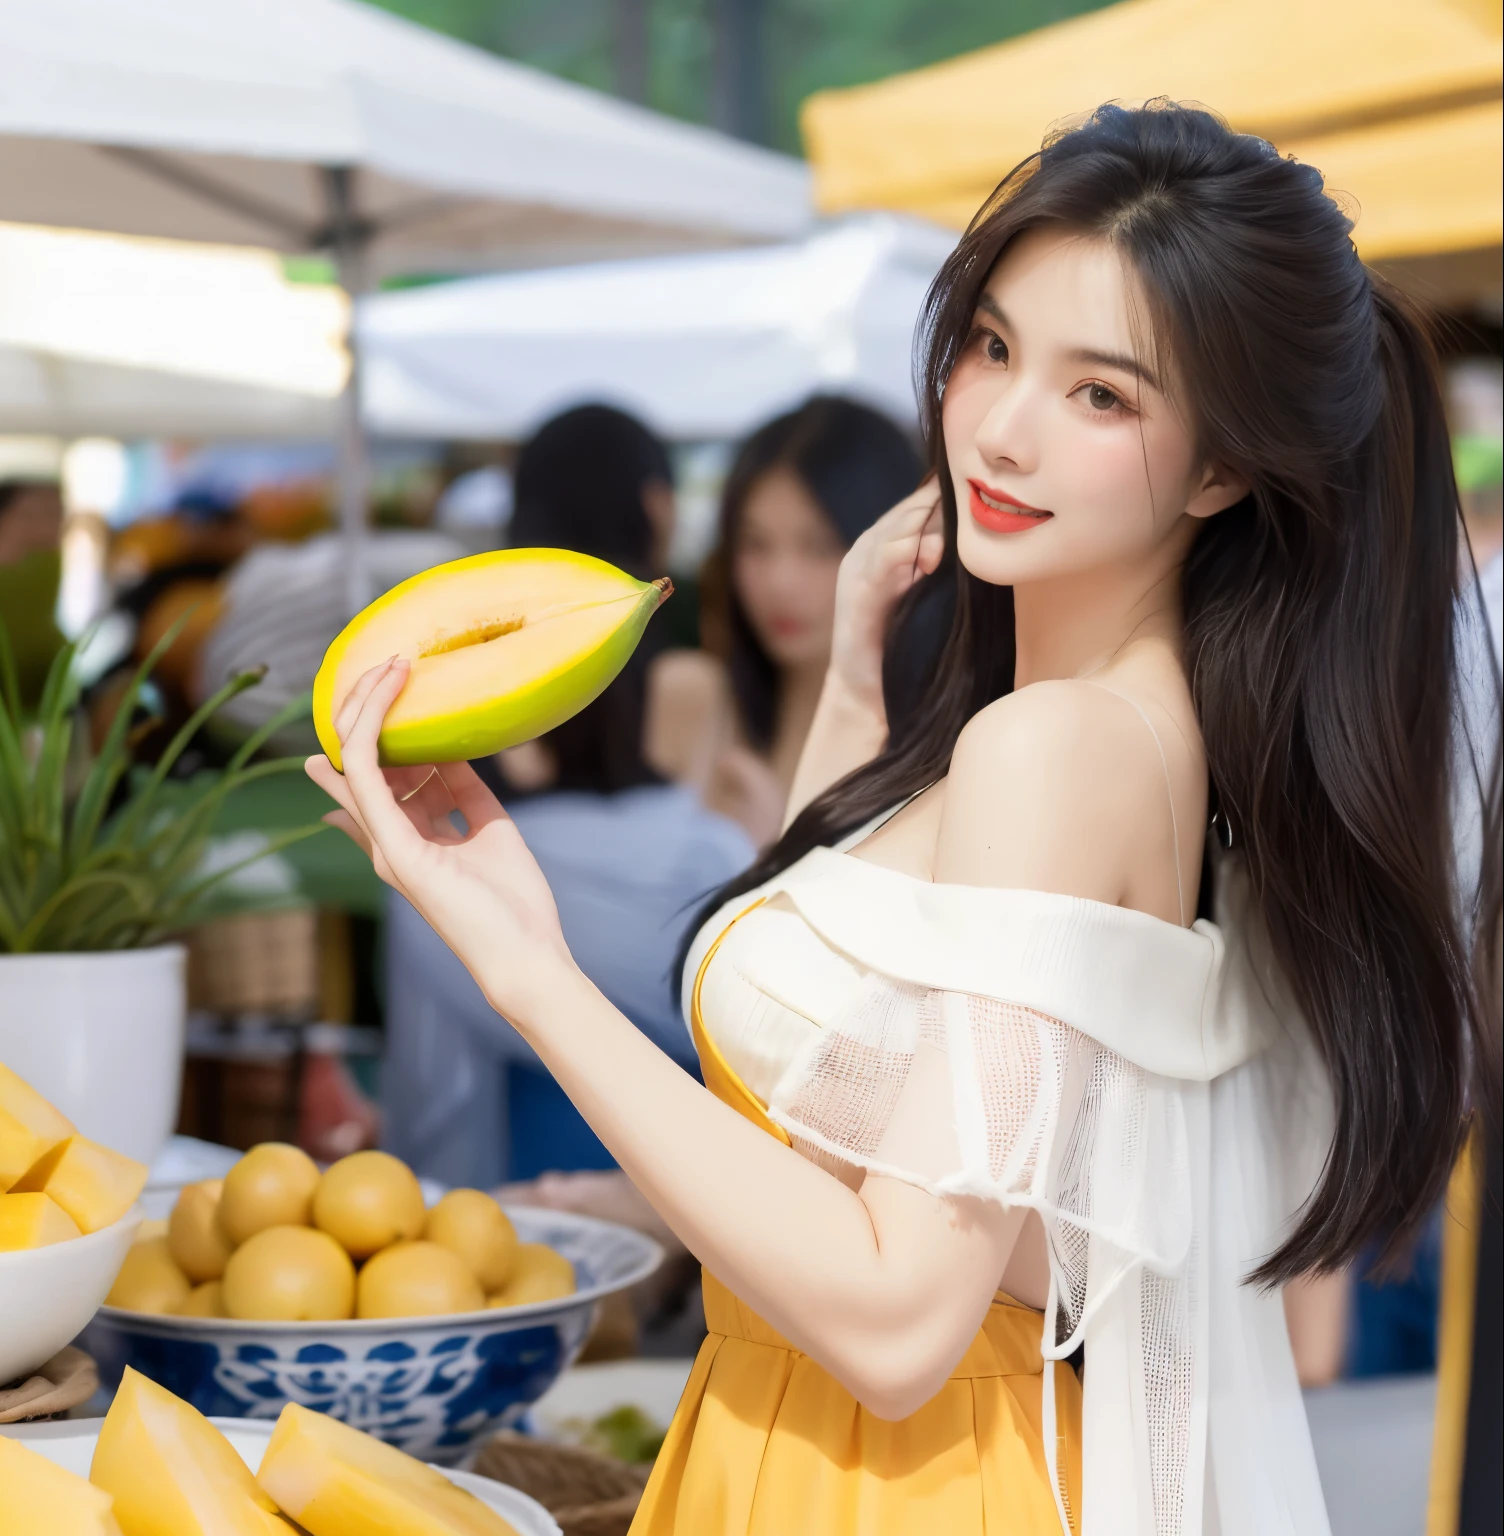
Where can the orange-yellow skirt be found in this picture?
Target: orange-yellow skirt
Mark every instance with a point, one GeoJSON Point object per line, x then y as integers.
{"type": "Point", "coordinates": [766, 1443]}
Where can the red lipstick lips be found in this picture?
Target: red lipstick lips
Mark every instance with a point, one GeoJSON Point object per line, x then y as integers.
{"type": "Point", "coordinates": [998, 512]}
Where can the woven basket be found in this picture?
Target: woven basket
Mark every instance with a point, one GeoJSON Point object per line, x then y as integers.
{"type": "Point", "coordinates": [589, 1495]}
{"type": "Point", "coordinates": [256, 963]}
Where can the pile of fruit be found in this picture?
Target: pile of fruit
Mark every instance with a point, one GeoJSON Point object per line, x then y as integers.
{"type": "Point", "coordinates": [161, 1468]}
{"type": "Point", "coordinates": [275, 1240]}
{"type": "Point", "coordinates": [55, 1184]}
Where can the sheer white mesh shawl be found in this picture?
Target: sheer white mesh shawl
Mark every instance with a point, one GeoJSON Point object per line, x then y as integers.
{"type": "Point", "coordinates": [1165, 1135]}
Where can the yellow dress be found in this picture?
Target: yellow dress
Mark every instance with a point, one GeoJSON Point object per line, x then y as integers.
{"type": "Point", "coordinates": [767, 1443]}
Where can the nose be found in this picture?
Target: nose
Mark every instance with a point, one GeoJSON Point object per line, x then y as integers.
{"type": "Point", "coordinates": [1008, 432]}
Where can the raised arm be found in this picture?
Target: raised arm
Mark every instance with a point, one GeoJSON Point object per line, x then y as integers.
{"type": "Point", "coordinates": [884, 1286]}
{"type": "Point", "coordinates": [851, 725]}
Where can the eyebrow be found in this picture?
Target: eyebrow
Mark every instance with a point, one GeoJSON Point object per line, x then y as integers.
{"type": "Point", "coordinates": [1119, 360]}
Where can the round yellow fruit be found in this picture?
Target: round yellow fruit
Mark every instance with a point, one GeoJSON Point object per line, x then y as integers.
{"type": "Point", "coordinates": [149, 1281]}
{"type": "Point", "coordinates": [271, 1186]}
{"type": "Point", "coordinates": [367, 1201]}
{"type": "Point", "coordinates": [291, 1275]}
{"type": "Point", "coordinates": [198, 1246]}
{"type": "Point", "coordinates": [206, 1300]}
{"type": "Point", "coordinates": [540, 1273]}
{"type": "Point", "coordinates": [418, 1279]}
{"type": "Point", "coordinates": [471, 1224]}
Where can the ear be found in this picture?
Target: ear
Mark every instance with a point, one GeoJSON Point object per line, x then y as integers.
{"type": "Point", "coordinates": [1220, 488]}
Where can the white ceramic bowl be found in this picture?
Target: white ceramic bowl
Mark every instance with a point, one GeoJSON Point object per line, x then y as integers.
{"type": "Point", "coordinates": [48, 1294]}
{"type": "Point", "coordinates": [70, 1443]}
{"type": "Point", "coordinates": [432, 1386]}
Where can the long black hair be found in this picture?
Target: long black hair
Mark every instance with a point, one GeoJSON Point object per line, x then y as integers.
{"type": "Point", "coordinates": [1319, 623]}
{"type": "Point", "coordinates": [855, 463]}
{"type": "Point", "coordinates": [579, 485]}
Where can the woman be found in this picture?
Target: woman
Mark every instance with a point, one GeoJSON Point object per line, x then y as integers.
{"type": "Point", "coordinates": [627, 854]}
{"type": "Point", "coordinates": [801, 490]}
{"type": "Point", "coordinates": [983, 1087]}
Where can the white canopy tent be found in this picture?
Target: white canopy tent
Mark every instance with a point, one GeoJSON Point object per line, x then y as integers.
{"type": "Point", "coordinates": [701, 346]}
{"type": "Point", "coordinates": [327, 125]}
{"type": "Point", "coordinates": [108, 335]}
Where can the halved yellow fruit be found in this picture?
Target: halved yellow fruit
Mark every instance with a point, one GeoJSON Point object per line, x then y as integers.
{"type": "Point", "coordinates": [172, 1473]}
{"type": "Point", "coordinates": [336, 1481]}
{"type": "Point", "coordinates": [504, 646]}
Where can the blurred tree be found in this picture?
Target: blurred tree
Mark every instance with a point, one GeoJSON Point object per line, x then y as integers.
{"type": "Point", "coordinates": [744, 65]}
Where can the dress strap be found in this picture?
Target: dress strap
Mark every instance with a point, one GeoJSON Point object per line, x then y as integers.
{"type": "Point", "coordinates": [1164, 763]}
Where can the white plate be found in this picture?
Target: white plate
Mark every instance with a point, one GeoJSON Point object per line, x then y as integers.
{"type": "Point", "coordinates": [70, 1443]}
{"type": "Point", "coordinates": [586, 1392]}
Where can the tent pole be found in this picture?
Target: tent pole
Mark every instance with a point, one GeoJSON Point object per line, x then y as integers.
{"type": "Point", "coordinates": [349, 242]}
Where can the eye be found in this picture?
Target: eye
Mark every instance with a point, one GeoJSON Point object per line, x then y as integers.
{"type": "Point", "coordinates": [1100, 400]}
{"type": "Point", "coordinates": [994, 347]}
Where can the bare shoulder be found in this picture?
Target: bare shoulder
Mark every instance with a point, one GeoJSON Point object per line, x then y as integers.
{"type": "Point", "coordinates": [1049, 788]}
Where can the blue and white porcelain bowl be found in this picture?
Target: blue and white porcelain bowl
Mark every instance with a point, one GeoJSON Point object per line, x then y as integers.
{"type": "Point", "coordinates": [432, 1386]}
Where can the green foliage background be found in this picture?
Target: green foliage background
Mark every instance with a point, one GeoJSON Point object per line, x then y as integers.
{"type": "Point", "coordinates": [810, 44]}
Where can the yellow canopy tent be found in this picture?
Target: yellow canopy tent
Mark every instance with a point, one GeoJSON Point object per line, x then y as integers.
{"type": "Point", "coordinates": [1397, 101]}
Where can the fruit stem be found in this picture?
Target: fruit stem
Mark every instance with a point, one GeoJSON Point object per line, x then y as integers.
{"type": "Point", "coordinates": [665, 589]}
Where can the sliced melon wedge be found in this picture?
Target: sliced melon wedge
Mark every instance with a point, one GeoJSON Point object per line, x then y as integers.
{"type": "Point", "coordinates": [93, 1184]}
{"type": "Point", "coordinates": [40, 1498]}
{"type": "Point", "coordinates": [504, 646]}
{"type": "Point", "coordinates": [33, 1221]}
{"type": "Point", "coordinates": [172, 1473]}
{"type": "Point", "coordinates": [336, 1481]}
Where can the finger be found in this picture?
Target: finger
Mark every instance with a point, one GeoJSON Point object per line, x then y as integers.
{"type": "Point", "coordinates": [354, 701]}
{"type": "Point", "coordinates": [471, 798]}
{"type": "Point", "coordinates": [385, 820]}
{"type": "Point", "coordinates": [330, 780]}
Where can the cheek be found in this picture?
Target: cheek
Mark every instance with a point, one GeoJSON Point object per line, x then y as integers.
{"type": "Point", "coordinates": [969, 394]}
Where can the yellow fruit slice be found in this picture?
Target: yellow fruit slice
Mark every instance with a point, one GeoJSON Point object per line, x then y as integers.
{"type": "Point", "coordinates": [470, 1223]}
{"type": "Point", "coordinates": [40, 1498]}
{"type": "Point", "coordinates": [20, 1147]}
{"type": "Point", "coordinates": [290, 1275]}
{"type": "Point", "coordinates": [198, 1245]}
{"type": "Point", "coordinates": [30, 1108]}
{"type": "Point", "coordinates": [148, 1280]}
{"type": "Point", "coordinates": [416, 1280]}
{"type": "Point", "coordinates": [504, 646]}
{"type": "Point", "coordinates": [540, 1273]}
{"type": "Point", "coordinates": [172, 1473]}
{"type": "Point", "coordinates": [33, 1221]}
{"type": "Point", "coordinates": [367, 1201]}
{"type": "Point", "coordinates": [93, 1184]}
{"type": "Point", "coordinates": [335, 1481]}
{"type": "Point", "coordinates": [271, 1186]}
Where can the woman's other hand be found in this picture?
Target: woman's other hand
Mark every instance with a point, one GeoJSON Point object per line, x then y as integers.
{"type": "Point", "coordinates": [478, 887]}
{"type": "Point", "coordinates": [904, 544]}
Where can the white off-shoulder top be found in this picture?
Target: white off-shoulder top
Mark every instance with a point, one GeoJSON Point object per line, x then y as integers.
{"type": "Point", "coordinates": [1142, 1086]}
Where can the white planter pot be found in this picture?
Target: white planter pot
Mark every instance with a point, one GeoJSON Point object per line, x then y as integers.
{"type": "Point", "coordinates": [101, 1036]}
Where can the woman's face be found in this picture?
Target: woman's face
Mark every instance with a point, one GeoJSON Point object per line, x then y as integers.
{"type": "Point", "coordinates": [1065, 450]}
{"type": "Point", "coordinates": [784, 562]}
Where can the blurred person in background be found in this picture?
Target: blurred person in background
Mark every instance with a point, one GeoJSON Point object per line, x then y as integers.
{"type": "Point", "coordinates": [801, 490]}
{"type": "Point", "coordinates": [628, 853]}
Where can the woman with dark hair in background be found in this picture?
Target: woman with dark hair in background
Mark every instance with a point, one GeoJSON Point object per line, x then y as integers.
{"type": "Point", "coordinates": [627, 854]}
{"type": "Point", "coordinates": [801, 490]}
{"type": "Point", "coordinates": [1004, 1058]}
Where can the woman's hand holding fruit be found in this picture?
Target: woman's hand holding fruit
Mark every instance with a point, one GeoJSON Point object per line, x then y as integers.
{"type": "Point", "coordinates": [479, 887]}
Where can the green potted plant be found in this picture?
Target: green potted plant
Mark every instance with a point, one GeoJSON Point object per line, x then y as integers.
{"type": "Point", "coordinates": [102, 863]}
